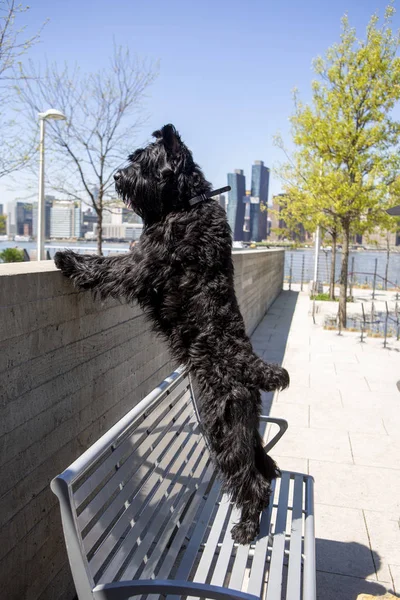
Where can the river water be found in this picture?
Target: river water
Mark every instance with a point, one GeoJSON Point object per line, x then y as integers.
{"type": "Point", "coordinates": [299, 264]}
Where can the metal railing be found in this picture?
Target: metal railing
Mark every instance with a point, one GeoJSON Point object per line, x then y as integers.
{"type": "Point", "coordinates": [299, 268]}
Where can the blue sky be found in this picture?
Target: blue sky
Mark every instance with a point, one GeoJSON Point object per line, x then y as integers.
{"type": "Point", "coordinates": [227, 68]}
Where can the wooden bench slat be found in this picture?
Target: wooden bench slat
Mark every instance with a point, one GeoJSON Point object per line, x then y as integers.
{"type": "Point", "coordinates": [161, 413]}
{"type": "Point", "coordinates": [133, 468]}
{"type": "Point", "coordinates": [293, 590]}
{"type": "Point", "coordinates": [279, 538]}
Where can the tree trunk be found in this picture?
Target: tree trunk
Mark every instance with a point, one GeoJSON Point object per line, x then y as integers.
{"type": "Point", "coordinates": [333, 267]}
{"type": "Point", "coordinates": [344, 275]}
{"type": "Point", "coordinates": [100, 232]}
{"type": "Point", "coordinates": [387, 260]}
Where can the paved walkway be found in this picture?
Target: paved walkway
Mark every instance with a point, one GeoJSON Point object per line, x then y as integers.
{"type": "Point", "coordinates": [343, 409]}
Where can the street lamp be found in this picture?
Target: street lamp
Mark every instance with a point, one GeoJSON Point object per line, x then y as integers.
{"type": "Point", "coordinates": [57, 115]}
{"type": "Point", "coordinates": [317, 244]}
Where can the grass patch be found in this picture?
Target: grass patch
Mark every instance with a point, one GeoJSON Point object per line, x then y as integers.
{"type": "Point", "coordinates": [325, 298]}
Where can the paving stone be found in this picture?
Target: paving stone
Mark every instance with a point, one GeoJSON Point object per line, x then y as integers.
{"type": "Point", "coordinates": [346, 419]}
{"type": "Point", "coordinates": [355, 486]}
{"type": "Point", "coordinates": [330, 445]}
{"type": "Point", "coordinates": [375, 450]}
{"type": "Point", "coordinates": [384, 535]}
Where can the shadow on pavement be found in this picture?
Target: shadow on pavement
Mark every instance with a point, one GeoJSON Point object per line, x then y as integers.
{"type": "Point", "coordinates": [343, 569]}
{"type": "Point", "coordinates": [270, 337]}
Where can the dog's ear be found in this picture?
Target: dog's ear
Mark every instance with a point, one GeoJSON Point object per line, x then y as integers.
{"type": "Point", "coordinates": [170, 138]}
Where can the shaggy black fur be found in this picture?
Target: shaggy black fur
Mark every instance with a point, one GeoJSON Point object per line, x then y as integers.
{"type": "Point", "coordinates": [181, 273]}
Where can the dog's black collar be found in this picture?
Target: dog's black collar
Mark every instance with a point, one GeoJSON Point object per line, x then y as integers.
{"type": "Point", "coordinates": [202, 197]}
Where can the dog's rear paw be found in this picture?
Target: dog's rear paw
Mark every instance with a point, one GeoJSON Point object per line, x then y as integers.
{"type": "Point", "coordinates": [274, 378]}
{"type": "Point", "coordinates": [245, 532]}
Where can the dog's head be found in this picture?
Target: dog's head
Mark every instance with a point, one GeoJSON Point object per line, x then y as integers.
{"type": "Point", "coordinates": [160, 178]}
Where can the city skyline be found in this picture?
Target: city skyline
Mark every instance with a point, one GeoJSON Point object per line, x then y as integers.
{"type": "Point", "coordinates": [223, 129]}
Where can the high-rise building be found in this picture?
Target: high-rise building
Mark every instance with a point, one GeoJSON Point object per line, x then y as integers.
{"type": "Point", "coordinates": [48, 200]}
{"type": "Point", "coordinates": [65, 220]}
{"type": "Point", "coordinates": [236, 204]}
{"type": "Point", "coordinates": [221, 200]}
{"type": "Point", "coordinates": [23, 218]}
{"type": "Point", "coordinates": [90, 219]}
{"type": "Point", "coordinates": [259, 201]}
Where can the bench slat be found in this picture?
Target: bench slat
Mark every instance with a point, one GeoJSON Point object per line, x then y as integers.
{"type": "Point", "coordinates": [195, 539]}
{"type": "Point", "coordinates": [212, 541]}
{"type": "Point", "coordinates": [137, 479]}
{"type": "Point", "coordinates": [156, 416]}
{"type": "Point", "coordinates": [225, 551]}
{"type": "Point", "coordinates": [278, 547]}
{"type": "Point", "coordinates": [294, 573]}
{"type": "Point", "coordinates": [239, 567]}
{"type": "Point", "coordinates": [257, 573]}
{"type": "Point", "coordinates": [166, 514]}
{"type": "Point", "coordinates": [134, 468]}
{"type": "Point", "coordinates": [143, 497]}
{"type": "Point", "coordinates": [169, 560]}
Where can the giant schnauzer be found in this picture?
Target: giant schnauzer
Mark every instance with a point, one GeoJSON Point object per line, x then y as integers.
{"type": "Point", "coordinates": [181, 274]}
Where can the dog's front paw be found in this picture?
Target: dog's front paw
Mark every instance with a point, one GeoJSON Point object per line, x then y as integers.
{"type": "Point", "coordinates": [66, 261]}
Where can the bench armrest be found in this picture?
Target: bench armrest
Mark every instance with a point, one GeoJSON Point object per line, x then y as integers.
{"type": "Point", "coordinates": [122, 590]}
{"type": "Point", "coordinates": [283, 425]}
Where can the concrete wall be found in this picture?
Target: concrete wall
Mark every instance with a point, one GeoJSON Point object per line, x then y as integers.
{"type": "Point", "coordinates": [69, 369]}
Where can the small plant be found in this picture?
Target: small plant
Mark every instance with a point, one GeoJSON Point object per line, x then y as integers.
{"type": "Point", "coordinates": [325, 298]}
{"type": "Point", "coordinates": [12, 255]}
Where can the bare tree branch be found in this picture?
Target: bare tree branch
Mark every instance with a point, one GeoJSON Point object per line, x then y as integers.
{"type": "Point", "coordinates": [104, 112]}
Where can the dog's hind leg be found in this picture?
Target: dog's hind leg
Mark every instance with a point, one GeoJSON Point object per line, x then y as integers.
{"type": "Point", "coordinates": [248, 526]}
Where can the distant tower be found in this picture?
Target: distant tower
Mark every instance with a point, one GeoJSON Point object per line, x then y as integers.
{"type": "Point", "coordinates": [236, 206]}
{"type": "Point", "coordinates": [259, 198]}
{"type": "Point", "coordinates": [221, 200]}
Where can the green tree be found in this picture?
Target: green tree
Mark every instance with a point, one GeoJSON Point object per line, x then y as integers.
{"type": "Point", "coordinates": [3, 224]}
{"type": "Point", "coordinates": [349, 126]}
{"type": "Point", "coordinates": [12, 255]}
{"type": "Point", "coordinates": [307, 202]}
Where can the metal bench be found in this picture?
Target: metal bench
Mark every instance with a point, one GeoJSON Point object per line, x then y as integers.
{"type": "Point", "coordinates": [143, 514]}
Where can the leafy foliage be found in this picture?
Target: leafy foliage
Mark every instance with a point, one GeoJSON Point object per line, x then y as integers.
{"type": "Point", "coordinates": [347, 158]}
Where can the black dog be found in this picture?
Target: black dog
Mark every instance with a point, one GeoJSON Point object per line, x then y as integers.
{"type": "Point", "coordinates": [181, 273]}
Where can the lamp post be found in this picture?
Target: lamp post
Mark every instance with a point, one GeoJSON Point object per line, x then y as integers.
{"type": "Point", "coordinates": [58, 116]}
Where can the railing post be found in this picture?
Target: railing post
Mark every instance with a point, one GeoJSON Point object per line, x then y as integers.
{"type": "Point", "coordinates": [302, 272]}
{"type": "Point", "coordinates": [291, 271]}
{"type": "Point", "coordinates": [386, 325]}
{"type": "Point", "coordinates": [374, 283]}
{"type": "Point", "coordinates": [363, 323]}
